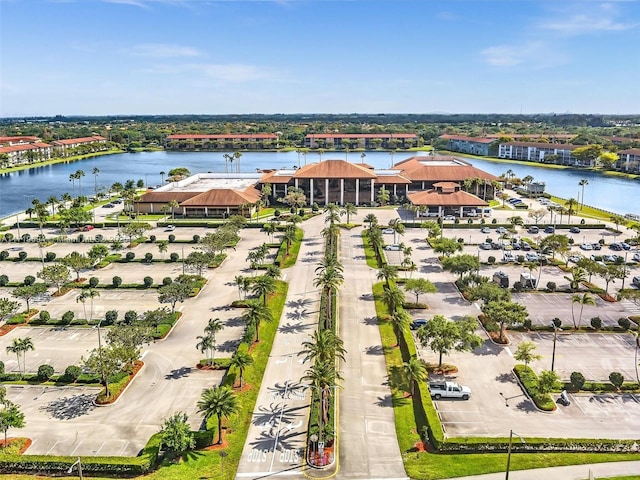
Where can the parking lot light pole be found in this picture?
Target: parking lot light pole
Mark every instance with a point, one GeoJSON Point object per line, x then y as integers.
{"type": "Point", "coordinates": [78, 464]}
{"type": "Point", "coordinates": [555, 337]}
{"type": "Point", "coordinates": [511, 434]}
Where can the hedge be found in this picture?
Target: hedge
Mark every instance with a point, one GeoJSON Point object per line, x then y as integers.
{"type": "Point", "coordinates": [529, 380]}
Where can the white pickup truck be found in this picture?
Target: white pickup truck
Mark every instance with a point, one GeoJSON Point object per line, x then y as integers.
{"type": "Point", "coordinates": [449, 390]}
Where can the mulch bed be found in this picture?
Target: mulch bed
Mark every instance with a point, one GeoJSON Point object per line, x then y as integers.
{"type": "Point", "coordinates": [11, 440]}
{"type": "Point", "coordinates": [4, 329]}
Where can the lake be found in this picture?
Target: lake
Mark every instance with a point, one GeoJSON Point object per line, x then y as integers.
{"type": "Point", "coordinates": [18, 189]}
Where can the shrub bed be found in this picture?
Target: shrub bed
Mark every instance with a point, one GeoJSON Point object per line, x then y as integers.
{"type": "Point", "coordinates": [529, 380]}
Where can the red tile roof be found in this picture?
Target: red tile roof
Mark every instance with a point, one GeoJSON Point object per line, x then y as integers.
{"type": "Point", "coordinates": [361, 135]}
{"type": "Point", "coordinates": [272, 177]}
{"type": "Point", "coordinates": [74, 141]}
{"type": "Point", "coordinates": [201, 136]}
{"type": "Point", "coordinates": [166, 197]}
{"type": "Point", "coordinates": [19, 138]}
{"type": "Point", "coordinates": [334, 169]}
{"type": "Point", "coordinates": [434, 198]}
{"type": "Point", "coordinates": [392, 180]}
{"type": "Point", "coordinates": [630, 151]}
{"type": "Point", "coordinates": [223, 197]}
{"type": "Point", "coordinates": [428, 169]}
{"type": "Point", "coordinates": [24, 147]}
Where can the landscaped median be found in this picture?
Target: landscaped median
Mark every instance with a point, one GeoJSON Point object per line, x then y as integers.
{"type": "Point", "coordinates": [417, 423]}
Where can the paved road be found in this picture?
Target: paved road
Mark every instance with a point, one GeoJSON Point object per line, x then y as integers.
{"type": "Point", "coordinates": [368, 444]}
{"type": "Point", "coordinates": [276, 440]}
{"type": "Point", "coordinates": [572, 472]}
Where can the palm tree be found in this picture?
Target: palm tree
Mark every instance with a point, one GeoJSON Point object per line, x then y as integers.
{"type": "Point", "coordinates": [582, 300]}
{"type": "Point", "coordinates": [15, 348]}
{"type": "Point", "coordinates": [371, 219]}
{"type": "Point", "coordinates": [569, 205]}
{"type": "Point", "coordinates": [582, 184]}
{"type": "Point", "coordinates": [578, 275]}
{"type": "Point", "coordinates": [329, 280]}
{"type": "Point", "coordinates": [414, 372]}
{"type": "Point", "coordinates": [162, 174]}
{"type": "Point", "coordinates": [387, 273]}
{"type": "Point", "coordinates": [332, 213]}
{"type": "Point", "coordinates": [72, 179]}
{"type": "Point", "coordinates": [241, 360]}
{"type": "Point", "coordinates": [207, 345]}
{"type": "Point", "coordinates": [348, 210]}
{"type": "Point", "coordinates": [289, 236]}
{"type": "Point", "coordinates": [95, 173]}
{"type": "Point", "coordinates": [323, 377]}
{"type": "Point", "coordinates": [52, 200]}
{"type": "Point", "coordinates": [393, 298]}
{"type": "Point", "coordinates": [400, 321]}
{"type": "Point", "coordinates": [79, 174]}
{"type": "Point", "coordinates": [173, 204]}
{"type": "Point", "coordinates": [324, 346]}
{"type": "Point", "coordinates": [255, 314]}
{"type": "Point", "coordinates": [398, 228]}
{"type": "Point", "coordinates": [242, 283]}
{"type": "Point", "coordinates": [20, 346]}
{"type": "Point", "coordinates": [89, 294]}
{"type": "Point", "coordinates": [219, 402]}
{"type": "Point", "coordinates": [263, 286]}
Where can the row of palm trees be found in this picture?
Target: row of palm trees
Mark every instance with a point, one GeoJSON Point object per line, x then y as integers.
{"type": "Point", "coordinates": [325, 347]}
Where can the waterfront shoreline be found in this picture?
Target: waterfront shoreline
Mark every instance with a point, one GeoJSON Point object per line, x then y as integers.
{"type": "Point", "coordinates": [75, 158]}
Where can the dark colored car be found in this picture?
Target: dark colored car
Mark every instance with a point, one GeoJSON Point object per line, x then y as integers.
{"type": "Point", "coordinates": [418, 322]}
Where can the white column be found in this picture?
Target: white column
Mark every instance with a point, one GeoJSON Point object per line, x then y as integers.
{"type": "Point", "coordinates": [326, 191]}
{"type": "Point", "coordinates": [357, 191]}
{"type": "Point", "coordinates": [373, 189]}
{"type": "Point", "coordinates": [295, 182]}
{"type": "Point", "coordinates": [342, 191]}
{"type": "Point", "coordinates": [395, 187]}
{"type": "Point", "coordinates": [460, 212]}
{"type": "Point", "coordinates": [440, 210]}
{"type": "Point", "coordinates": [406, 190]}
{"type": "Point", "coordinates": [311, 191]}
{"type": "Point", "coordinates": [206, 211]}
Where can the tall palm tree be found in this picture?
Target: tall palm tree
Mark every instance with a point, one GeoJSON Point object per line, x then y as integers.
{"type": "Point", "coordinates": [332, 213]}
{"type": "Point", "coordinates": [162, 174]}
{"type": "Point", "coordinates": [387, 273]}
{"type": "Point", "coordinates": [255, 314]}
{"type": "Point", "coordinates": [207, 345]}
{"type": "Point", "coordinates": [79, 174]}
{"type": "Point", "coordinates": [329, 280]}
{"type": "Point", "coordinates": [578, 275]}
{"type": "Point", "coordinates": [371, 219]}
{"type": "Point", "coordinates": [15, 348]}
{"type": "Point", "coordinates": [72, 179]}
{"type": "Point", "coordinates": [263, 286]}
{"type": "Point", "coordinates": [414, 372]}
{"type": "Point", "coordinates": [398, 228]}
{"type": "Point", "coordinates": [582, 300]}
{"type": "Point", "coordinates": [324, 346]}
{"type": "Point", "coordinates": [582, 183]}
{"type": "Point", "coordinates": [393, 298]}
{"type": "Point", "coordinates": [323, 377]}
{"type": "Point", "coordinates": [400, 321]}
{"type": "Point", "coordinates": [241, 359]}
{"type": "Point", "coordinates": [242, 284]}
{"type": "Point", "coordinates": [95, 173]}
{"type": "Point", "coordinates": [219, 402]}
{"type": "Point", "coordinates": [173, 204]}
{"type": "Point", "coordinates": [53, 201]}
{"type": "Point", "coordinates": [569, 205]}
{"type": "Point", "coordinates": [348, 210]}
{"type": "Point", "coordinates": [289, 236]}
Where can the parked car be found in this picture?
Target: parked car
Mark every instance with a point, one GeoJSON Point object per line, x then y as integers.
{"type": "Point", "coordinates": [636, 257]}
{"type": "Point", "coordinates": [393, 248]}
{"type": "Point", "coordinates": [496, 246]}
{"type": "Point", "coordinates": [117, 201]}
{"type": "Point", "coordinates": [574, 230]}
{"type": "Point", "coordinates": [169, 228]}
{"type": "Point", "coordinates": [636, 282]}
{"type": "Point", "coordinates": [625, 246]}
{"type": "Point", "coordinates": [449, 217]}
{"type": "Point", "coordinates": [485, 230]}
{"type": "Point", "coordinates": [525, 246]}
{"type": "Point", "coordinates": [610, 258]}
{"type": "Point", "coordinates": [616, 247]}
{"type": "Point", "coordinates": [508, 257]}
{"type": "Point", "coordinates": [549, 229]}
{"type": "Point", "coordinates": [108, 205]}
{"type": "Point", "coordinates": [485, 246]}
{"type": "Point", "coordinates": [87, 228]}
{"type": "Point", "coordinates": [586, 246]}
{"type": "Point", "coordinates": [449, 390]}
{"type": "Point", "coordinates": [417, 323]}
{"type": "Point", "coordinates": [388, 230]}
{"type": "Point", "coordinates": [531, 257]}
{"type": "Point", "coordinates": [575, 258]}
{"type": "Point", "coordinates": [501, 230]}
{"type": "Point", "coordinates": [501, 279]}
{"type": "Point", "coordinates": [533, 229]}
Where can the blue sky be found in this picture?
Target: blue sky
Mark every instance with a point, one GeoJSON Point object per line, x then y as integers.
{"type": "Point", "coordinates": [97, 57]}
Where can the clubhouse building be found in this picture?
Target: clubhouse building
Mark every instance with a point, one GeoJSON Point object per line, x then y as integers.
{"type": "Point", "coordinates": [432, 183]}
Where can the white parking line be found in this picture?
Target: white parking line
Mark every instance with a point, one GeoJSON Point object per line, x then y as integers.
{"type": "Point", "coordinates": [51, 449]}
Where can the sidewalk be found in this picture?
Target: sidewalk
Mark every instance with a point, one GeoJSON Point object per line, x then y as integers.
{"type": "Point", "coordinates": [572, 472]}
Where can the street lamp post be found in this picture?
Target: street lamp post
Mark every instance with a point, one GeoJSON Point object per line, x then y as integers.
{"type": "Point", "coordinates": [555, 337]}
{"type": "Point", "coordinates": [78, 464]}
{"type": "Point", "coordinates": [511, 434]}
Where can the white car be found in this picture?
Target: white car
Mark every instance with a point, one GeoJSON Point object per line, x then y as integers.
{"type": "Point", "coordinates": [575, 258]}
{"type": "Point", "coordinates": [394, 248]}
{"type": "Point", "coordinates": [485, 230]}
{"type": "Point", "coordinates": [531, 257]}
{"type": "Point", "coordinates": [509, 257]}
{"type": "Point", "coordinates": [449, 217]}
{"type": "Point", "coordinates": [169, 228]}
{"type": "Point", "coordinates": [586, 246]}
{"type": "Point", "coordinates": [501, 230]}
{"type": "Point", "coordinates": [388, 230]}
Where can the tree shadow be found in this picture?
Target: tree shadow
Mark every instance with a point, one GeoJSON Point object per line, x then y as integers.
{"type": "Point", "coordinates": [235, 322]}
{"type": "Point", "coordinates": [374, 350]}
{"type": "Point", "coordinates": [367, 297]}
{"type": "Point", "coordinates": [228, 345]}
{"type": "Point", "coordinates": [68, 408]}
{"type": "Point", "coordinates": [488, 348]}
{"type": "Point", "coordinates": [371, 321]}
{"type": "Point", "coordinates": [294, 327]}
{"type": "Point", "coordinates": [526, 406]}
{"type": "Point", "coordinates": [297, 314]}
{"type": "Point", "coordinates": [385, 401]}
{"type": "Point", "coordinates": [506, 377]}
{"type": "Point", "coordinates": [222, 308]}
{"type": "Point", "coordinates": [301, 303]}
{"type": "Point", "coordinates": [178, 373]}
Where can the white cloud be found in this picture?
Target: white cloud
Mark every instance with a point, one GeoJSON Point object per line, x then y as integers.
{"type": "Point", "coordinates": [226, 73]}
{"type": "Point", "coordinates": [533, 55]}
{"type": "Point", "coordinates": [161, 50]}
{"type": "Point", "coordinates": [604, 18]}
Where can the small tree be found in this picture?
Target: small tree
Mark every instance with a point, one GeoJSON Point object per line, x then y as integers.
{"type": "Point", "coordinates": [45, 372]}
{"type": "Point", "coordinates": [177, 436]}
{"type": "Point", "coordinates": [616, 379]}
{"type": "Point", "coordinates": [546, 382]}
{"type": "Point", "coordinates": [10, 415]}
{"type": "Point", "coordinates": [8, 308]}
{"type": "Point", "coordinates": [524, 353]}
{"type": "Point", "coordinates": [28, 292]}
{"type": "Point", "coordinates": [419, 286]}
{"type": "Point", "coordinates": [577, 380]}
{"type": "Point", "coordinates": [444, 336]}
